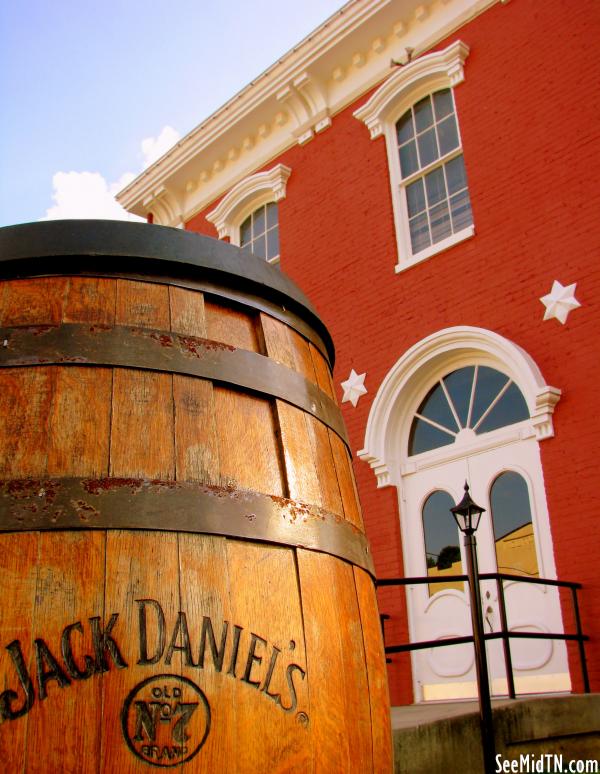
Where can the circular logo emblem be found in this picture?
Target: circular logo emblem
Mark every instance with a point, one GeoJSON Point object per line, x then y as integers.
{"type": "Point", "coordinates": [165, 720]}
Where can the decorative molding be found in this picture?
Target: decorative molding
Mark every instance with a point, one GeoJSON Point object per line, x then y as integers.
{"type": "Point", "coordinates": [164, 207]}
{"type": "Point", "coordinates": [560, 301]}
{"type": "Point", "coordinates": [354, 388]}
{"type": "Point", "coordinates": [451, 348]}
{"type": "Point", "coordinates": [325, 57]}
{"type": "Point", "coordinates": [438, 70]}
{"type": "Point", "coordinates": [245, 197]}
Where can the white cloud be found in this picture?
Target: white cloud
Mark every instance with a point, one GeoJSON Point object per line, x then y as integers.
{"type": "Point", "coordinates": [154, 147]}
{"type": "Point", "coordinates": [89, 195]}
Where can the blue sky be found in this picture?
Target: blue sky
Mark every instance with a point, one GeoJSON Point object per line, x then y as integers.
{"type": "Point", "coordinates": [82, 84]}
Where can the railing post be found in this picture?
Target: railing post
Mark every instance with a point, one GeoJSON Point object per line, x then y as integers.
{"type": "Point", "coordinates": [510, 680]}
{"type": "Point", "coordinates": [584, 672]}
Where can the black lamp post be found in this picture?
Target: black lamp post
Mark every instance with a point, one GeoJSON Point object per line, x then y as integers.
{"type": "Point", "coordinates": [467, 515]}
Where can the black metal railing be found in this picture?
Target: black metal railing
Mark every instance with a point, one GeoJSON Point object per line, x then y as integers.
{"type": "Point", "coordinates": [504, 633]}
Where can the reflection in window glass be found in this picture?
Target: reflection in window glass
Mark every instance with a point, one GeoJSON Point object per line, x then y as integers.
{"type": "Point", "coordinates": [475, 397]}
{"type": "Point", "coordinates": [427, 133]}
{"type": "Point", "coordinates": [513, 529]}
{"type": "Point", "coordinates": [259, 233]}
{"type": "Point", "coordinates": [442, 549]}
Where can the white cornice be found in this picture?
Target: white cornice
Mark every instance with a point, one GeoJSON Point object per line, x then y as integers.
{"type": "Point", "coordinates": [293, 100]}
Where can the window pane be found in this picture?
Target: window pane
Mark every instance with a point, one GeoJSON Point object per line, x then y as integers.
{"type": "Point", "coordinates": [459, 384]}
{"type": "Point", "coordinates": [259, 247]}
{"type": "Point", "coordinates": [455, 175]}
{"type": "Point", "coordinates": [442, 101]}
{"type": "Point", "coordinates": [273, 243]}
{"type": "Point", "coordinates": [258, 227]}
{"type": "Point", "coordinates": [441, 541]}
{"type": "Point", "coordinates": [408, 159]}
{"type": "Point", "coordinates": [415, 197]}
{"type": "Point", "coordinates": [271, 214]}
{"type": "Point", "coordinates": [435, 407]}
{"type": "Point", "coordinates": [460, 207]}
{"type": "Point", "coordinates": [510, 408]}
{"type": "Point", "coordinates": [423, 114]}
{"type": "Point", "coordinates": [419, 233]}
{"type": "Point", "coordinates": [513, 530]}
{"type": "Point", "coordinates": [428, 151]}
{"type": "Point", "coordinates": [488, 385]}
{"type": "Point", "coordinates": [424, 437]}
{"type": "Point", "coordinates": [246, 231]}
{"type": "Point", "coordinates": [436, 186]}
{"type": "Point", "coordinates": [447, 135]}
{"type": "Point", "coordinates": [440, 222]}
{"type": "Point", "coordinates": [405, 127]}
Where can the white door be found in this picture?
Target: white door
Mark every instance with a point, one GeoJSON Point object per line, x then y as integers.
{"type": "Point", "coordinates": [505, 476]}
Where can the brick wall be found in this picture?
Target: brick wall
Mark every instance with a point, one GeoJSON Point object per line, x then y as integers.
{"type": "Point", "coordinates": [528, 113]}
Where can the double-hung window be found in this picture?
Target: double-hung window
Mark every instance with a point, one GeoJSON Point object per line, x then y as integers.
{"type": "Point", "coordinates": [432, 171]}
{"type": "Point", "coordinates": [414, 109]}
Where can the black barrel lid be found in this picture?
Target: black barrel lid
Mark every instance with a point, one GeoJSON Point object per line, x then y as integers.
{"type": "Point", "coordinates": [113, 247]}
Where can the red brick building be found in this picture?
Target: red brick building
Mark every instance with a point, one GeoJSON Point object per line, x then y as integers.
{"type": "Point", "coordinates": [426, 172]}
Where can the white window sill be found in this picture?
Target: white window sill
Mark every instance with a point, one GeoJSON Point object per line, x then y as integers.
{"type": "Point", "coordinates": [438, 247]}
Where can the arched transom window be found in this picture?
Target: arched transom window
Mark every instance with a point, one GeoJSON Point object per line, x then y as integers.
{"type": "Point", "coordinates": [470, 400]}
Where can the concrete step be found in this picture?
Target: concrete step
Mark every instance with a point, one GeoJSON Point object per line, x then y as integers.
{"type": "Point", "coordinates": [445, 737]}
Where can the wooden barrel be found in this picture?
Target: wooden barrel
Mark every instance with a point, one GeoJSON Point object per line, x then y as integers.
{"type": "Point", "coordinates": [186, 580]}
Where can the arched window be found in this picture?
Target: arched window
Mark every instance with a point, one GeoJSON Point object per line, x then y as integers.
{"type": "Point", "coordinates": [259, 233]}
{"type": "Point", "coordinates": [442, 550]}
{"type": "Point", "coordinates": [432, 170]}
{"type": "Point", "coordinates": [414, 109]}
{"type": "Point", "coordinates": [249, 215]}
{"type": "Point", "coordinates": [513, 530]}
{"type": "Point", "coordinates": [473, 399]}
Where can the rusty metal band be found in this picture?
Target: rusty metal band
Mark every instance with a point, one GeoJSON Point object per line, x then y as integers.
{"type": "Point", "coordinates": [155, 254]}
{"type": "Point", "coordinates": [157, 350]}
{"type": "Point", "coordinates": [139, 504]}
{"type": "Point", "coordinates": [218, 293]}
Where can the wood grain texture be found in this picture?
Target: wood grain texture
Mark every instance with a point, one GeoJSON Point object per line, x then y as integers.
{"type": "Point", "coordinates": [19, 576]}
{"type": "Point", "coordinates": [78, 441]}
{"type": "Point", "coordinates": [139, 565]}
{"type": "Point", "coordinates": [142, 426]}
{"type": "Point", "coordinates": [347, 484]}
{"type": "Point", "coordinates": [286, 346]}
{"type": "Point", "coordinates": [266, 604]}
{"type": "Point", "coordinates": [90, 299]}
{"type": "Point", "coordinates": [25, 402]}
{"type": "Point", "coordinates": [69, 589]}
{"type": "Point", "coordinates": [340, 716]}
{"type": "Point", "coordinates": [196, 443]}
{"type": "Point", "coordinates": [381, 727]}
{"type": "Point", "coordinates": [33, 301]}
{"type": "Point", "coordinates": [205, 593]}
{"type": "Point", "coordinates": [248, 447]}
{"type": "Point", "coordinates": [322, 372]}
{"type": "Point", "coordinates": [187, 312]}
{"type": "Point", "coordinates": [144, 304]}
{"type": "Point", "coordinates": [231, 326]}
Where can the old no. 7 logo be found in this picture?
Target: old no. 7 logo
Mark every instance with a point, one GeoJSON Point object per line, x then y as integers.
{"type": "Point", "coordinates": [165, 720]}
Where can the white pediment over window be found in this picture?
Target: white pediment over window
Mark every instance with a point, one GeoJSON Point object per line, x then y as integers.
{"type": "Point", "coordinates": [392, 412]}
{"type": "Point", "coordinates": [439, 70]}
{"type": "Point", "coordinates": [245, 197]}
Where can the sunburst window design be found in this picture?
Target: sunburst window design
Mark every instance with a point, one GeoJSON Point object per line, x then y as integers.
{"type": "Point", "coordinates": [470, 400]}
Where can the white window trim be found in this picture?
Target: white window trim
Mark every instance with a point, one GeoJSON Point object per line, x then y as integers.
{"type": "Point", "coordinates": [430, 73]}
{"type": "Point", "coordinates": [446, 350]}
{"type": "Point", "coordinates": [245, 197]}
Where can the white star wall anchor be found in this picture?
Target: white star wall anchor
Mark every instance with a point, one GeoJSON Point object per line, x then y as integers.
{"type": "Point", "coordinates": [560, 301]}
{"type": "Point", "coordinates": [354, 387]}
